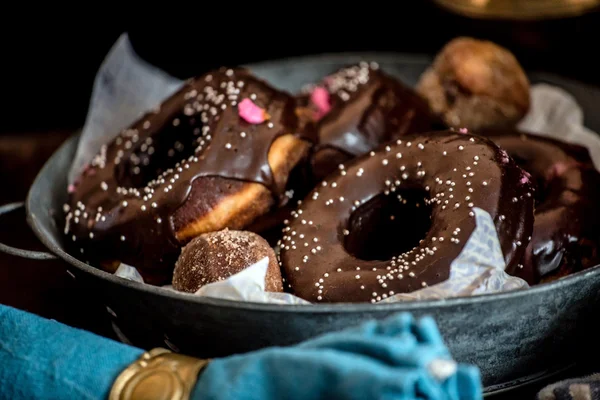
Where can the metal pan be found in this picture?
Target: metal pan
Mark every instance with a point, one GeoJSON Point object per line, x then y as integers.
{"type": "Point", "coordinates": [513, 337]}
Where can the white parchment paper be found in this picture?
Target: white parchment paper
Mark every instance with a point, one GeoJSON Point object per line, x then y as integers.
{"type": "Point", "coordinates": [126, 87]}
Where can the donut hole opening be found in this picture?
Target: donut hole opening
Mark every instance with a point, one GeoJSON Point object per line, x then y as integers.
{"type": "Point", "coordinates": [388, 225]}
{"type": "Point", "coordinates": [149, 157]}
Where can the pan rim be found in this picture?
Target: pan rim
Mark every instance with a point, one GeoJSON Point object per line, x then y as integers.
{"type": "Point", "coordinates": [45, 236]}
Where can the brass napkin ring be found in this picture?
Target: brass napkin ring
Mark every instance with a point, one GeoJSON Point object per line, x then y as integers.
{"type": "Point", "coordinates": [158, 374]}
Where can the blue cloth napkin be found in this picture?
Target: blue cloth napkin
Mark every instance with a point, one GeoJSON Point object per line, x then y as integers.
{"type": "Point", "coordinates": [400, 358]}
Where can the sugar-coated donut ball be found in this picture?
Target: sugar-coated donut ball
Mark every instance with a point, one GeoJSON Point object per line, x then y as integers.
{"type": "Point", "coordinates": [215, 256]}
{"type": "Point", "coordinates": [476, 84]}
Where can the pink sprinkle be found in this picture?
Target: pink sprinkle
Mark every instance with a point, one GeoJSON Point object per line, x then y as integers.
{"type": "Point", "coordinates": [71, 188]}
{"type": "Point", "coordinates": [320, 98]}
{"type": "Point", "coordinates": [558, 169]}
{"type": "Point", "coordinates": [525, 177]}
{"type": "Point", "coordinates": [463, 130]}
{"type": "Point", "coordinates": [251, 112]}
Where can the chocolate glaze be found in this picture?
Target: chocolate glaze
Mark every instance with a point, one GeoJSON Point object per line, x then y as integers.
{"type": "Point", "coordinates": [368, 107]}
{"type": "Point", "coordinates": [458, 171]}
{"type": "Point", "coordinates": [566, 232]}
{"type": "Point", "coordinates": [122, 206]}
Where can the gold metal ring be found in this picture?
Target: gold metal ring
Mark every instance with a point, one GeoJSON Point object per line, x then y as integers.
{"type": "Point", "coordinates": [519, 9]}
{"type": "Point", "coordinates": [158, 374]}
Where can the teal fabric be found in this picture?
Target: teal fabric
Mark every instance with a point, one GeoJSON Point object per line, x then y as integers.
{"type": "Point", "coordinates": [391, 359]}
{"type": "Point", "coordinates": [44, 359]}
{"type": "Point", "coordinates": [377, 360]}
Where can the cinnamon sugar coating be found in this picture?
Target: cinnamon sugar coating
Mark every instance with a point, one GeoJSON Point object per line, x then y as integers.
{"type": "Point", "coordinates": [215, 256]}
{"type": "Point", "coordinates": [476, 84]}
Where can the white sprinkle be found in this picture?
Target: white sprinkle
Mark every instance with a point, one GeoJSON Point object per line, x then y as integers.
{"type": "Point", "coordinates": [122, 238]}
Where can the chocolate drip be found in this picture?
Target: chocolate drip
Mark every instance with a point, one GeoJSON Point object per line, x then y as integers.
{"type": "Point", "coordinates": [566, 232]}
{"type": "Point", "coordinates": [126, 198]}
{"type": "Point", "coordinates": [456, 171]}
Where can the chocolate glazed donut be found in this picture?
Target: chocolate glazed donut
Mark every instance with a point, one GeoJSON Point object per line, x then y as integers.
{"type": "Point", "coordinates": [444, 174]}
{"type": "Point", "coordinates": [354, 110]}
{"type": "Point", "coordinates": [216, 154]}
{"type": "Point", "coordinates": [566, 232]}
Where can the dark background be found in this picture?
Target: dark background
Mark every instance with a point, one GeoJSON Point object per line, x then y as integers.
{"type": "Point", "coordinates": [48, 66]}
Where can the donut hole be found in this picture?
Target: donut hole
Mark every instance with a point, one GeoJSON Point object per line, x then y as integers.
{"type": "Point", "coordinates": [388, 225]}
{"type": "Point", "coordinates": [149, 157]}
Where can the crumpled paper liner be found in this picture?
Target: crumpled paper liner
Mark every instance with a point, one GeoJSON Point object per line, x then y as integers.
{"type": "Point", "coordinates": [126, 87]}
